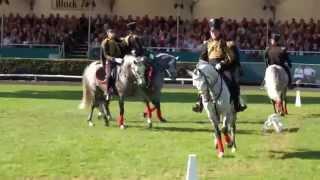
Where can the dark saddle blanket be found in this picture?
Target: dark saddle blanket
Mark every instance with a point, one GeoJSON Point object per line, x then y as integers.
{"type": "Point", "coordinates": [101, 79]}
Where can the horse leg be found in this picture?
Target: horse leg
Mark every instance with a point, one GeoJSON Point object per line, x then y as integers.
{"type": "Point", "coordinates": [285, 103]}
{"type": "Point", "coordinates": [274, 106]}
{"type": "Point", "coordinates": [158, 109]}
{"type": "Point", "coordinates": [233, 134]}
{"type": "Point", "coordinates": [149, 114]}
{"type": "Point", "coordinates": [104, 112]}
{"type": "Point", "coordinates": [90, 123]}
{"type": "Point", "coordinates": [215, 119]}
{"type": "Point", "coordinates": [283, 111]}
{"type": "Point", "coordinates": [109, 117]}
{"type": "Point", "coordinates": [218, 140]}
{"type": "Point", "coordinates": [121, 117]}
{"type": "Point", "coordinates": [225, 131]}
{"type": "Point", "coordinates": [145, 113]}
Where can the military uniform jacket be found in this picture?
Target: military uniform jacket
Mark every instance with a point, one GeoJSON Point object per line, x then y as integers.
{"type": "Point", "coordinates": [111, 48]}
{"type": "Point", "coordinates": [277, 55]}
{"type": "Point", "coordinates": [220, 51]}
{"type": "Point", "coordinates": [133, 42]}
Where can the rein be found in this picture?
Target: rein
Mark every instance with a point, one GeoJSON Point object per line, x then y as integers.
{"type": "Point", "coordinates": [214, 83]}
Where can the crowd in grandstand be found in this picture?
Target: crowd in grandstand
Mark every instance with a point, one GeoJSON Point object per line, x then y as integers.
{"type": "Point", "coordinates": [158, 31]}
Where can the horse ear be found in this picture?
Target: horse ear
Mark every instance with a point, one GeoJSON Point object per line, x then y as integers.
{"type": "Point", "coordinates": [190, 73]}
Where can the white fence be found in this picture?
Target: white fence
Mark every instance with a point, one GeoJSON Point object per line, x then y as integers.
{"type": "Point", "coordinates": [35, 77]}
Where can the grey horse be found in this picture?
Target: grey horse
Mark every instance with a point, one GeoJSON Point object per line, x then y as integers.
{"type": "Point", "coordinates": [130, 75]}
{"type": "Point", "coordinates": [276, 84]}
{"type": "Point", "coordinates": [217, 103]}
{"type": "Point", "coordinates": [163, 63]}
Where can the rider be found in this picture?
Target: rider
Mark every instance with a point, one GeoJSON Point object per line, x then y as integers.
{"type": "Point", "coordinates": [133, 41]}
{"type": "Point", "coordinates": [223, 55]}
{"type": "Point", "coordinates": [112, 54]}
{"type": "Point", "coordinates": [133, 45]}
{"type": "Point", "coordinates": [275, 54]}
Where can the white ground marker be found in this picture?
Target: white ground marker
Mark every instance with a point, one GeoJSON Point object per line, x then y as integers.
{"type": "Point", "coordinates": [298, 99]}
{"type": "Point", "coordinates": [192, 168]}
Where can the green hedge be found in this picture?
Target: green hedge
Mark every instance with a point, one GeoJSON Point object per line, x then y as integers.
{"type": "Point", "coordinates": [52, 67]}
{"type": "Point", "coordinates": [40, 66]}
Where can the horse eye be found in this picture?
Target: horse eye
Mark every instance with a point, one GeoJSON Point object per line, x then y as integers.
{"type": "Point", "coordinates": [135, 62]}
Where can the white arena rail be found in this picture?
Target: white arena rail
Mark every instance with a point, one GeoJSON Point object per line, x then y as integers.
{"type": "Point", "coordinates": [36, 76]}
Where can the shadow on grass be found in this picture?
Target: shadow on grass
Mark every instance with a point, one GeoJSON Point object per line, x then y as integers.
{"type": "Point", "coordinates": [263, 99]}
{"type": "Point", "coordinates": [250, 122]}
{"type": "Point", "coordinates": [312, 116]}
{"type": "Point", "coordinates": [301, 154]}
{"type": "Point", "coordinates": [187, 129]}
{"type": "Point", "coordinates": [180, 97]}
{"type": "Point", "coordinates": [286, 130]}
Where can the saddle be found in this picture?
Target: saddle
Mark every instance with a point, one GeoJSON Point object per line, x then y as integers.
{"type": "Point", "coordinates": [100, 77]}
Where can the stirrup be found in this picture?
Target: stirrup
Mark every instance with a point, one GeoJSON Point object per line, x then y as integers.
{"type": "Point", "coordinates": [241, 107]}
{"type": "Point", "coordinates": [198, 108]}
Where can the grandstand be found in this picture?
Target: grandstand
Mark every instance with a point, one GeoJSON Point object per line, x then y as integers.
{"type": "Point", "coordinates": [59, 29]}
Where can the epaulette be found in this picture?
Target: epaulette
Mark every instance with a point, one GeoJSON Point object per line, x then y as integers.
{"type": "Point", "coordinates": [126, 39]}
{"type": "Point", "coordinates": [230, 44]}
{"type": "Point", "coordinates": [104, 41]}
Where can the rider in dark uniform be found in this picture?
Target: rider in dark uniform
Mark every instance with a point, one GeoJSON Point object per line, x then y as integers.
{"type": "Point", "coordinates": [133, 41]}
{"type": "Point", "coordinates": [224, 56]}
{"type": "Point", "coordinates": [112, 54]}
{"type": "Point", "coordinates": [275, 54]}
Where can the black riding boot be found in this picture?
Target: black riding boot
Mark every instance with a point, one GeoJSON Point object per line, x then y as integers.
{"type": "Point", "coordinates": [237, 105]}
{"type": "Point", "coordinates": [198, 107]}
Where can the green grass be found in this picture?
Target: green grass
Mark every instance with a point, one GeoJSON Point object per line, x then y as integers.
{"type": "Point", "coordinates": [44, 135]}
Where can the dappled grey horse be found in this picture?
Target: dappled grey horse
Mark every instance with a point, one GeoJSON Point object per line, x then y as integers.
{"type": "Point", "coordinates": [130, 75]}
{"type": "Point", "coordinates": [276, 84]}
{"type": "Point", "coordinates": [217, 103]}
{"type": "Point", "coordinates": [163, 63]}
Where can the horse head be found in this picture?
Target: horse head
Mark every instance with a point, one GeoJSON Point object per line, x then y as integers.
{"type": "Point", "coordinates": [137, 68]}
{"type": "Point", "coordinates": [168, 63]}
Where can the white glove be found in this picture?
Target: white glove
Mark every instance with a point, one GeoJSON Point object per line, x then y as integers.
{"type": "Point", "coordinates": [218, 66]}
{"type": "Point", "coordinates": [118, 60]}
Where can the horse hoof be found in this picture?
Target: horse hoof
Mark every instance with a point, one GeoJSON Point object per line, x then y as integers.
{"type": "Point", "coordinates": [149, 125]}
{"type": "Point", "coordinates": [90, 124]}
{"type": "Point", "coordinates": [107, 124]}
{"type": "Point", "coordinates": [100, 115]}
{"type": "Point", "coordinates": [220, 155]}
{"type": "Point", "coordinates": [229, 145]}
{"type": "Point", "coordinates": [144, 115]}
{"type": "Point", "coordinates": [122, 127]}
{"type": "Point", "coordinates": [233, 150]}
{"type": "Point", "coordinates": [163, 120]}
{"type": "Point", "coordinates": [282, 114]}
{"type": "Point", "coordinates": [109, 118]}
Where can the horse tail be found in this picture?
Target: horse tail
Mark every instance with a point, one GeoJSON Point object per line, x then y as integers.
{"type": "Point", "coordinates": [272, 81]}
{"type": "Point", "coordinates": [88, 88]}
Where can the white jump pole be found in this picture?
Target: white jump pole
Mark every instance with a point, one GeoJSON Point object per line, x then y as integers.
{"type": "Point", "coordinates": [192, 168]}
{"type": "Point", "coordinates": [298, 99]}
{"type": "Point", "coordinates": [298, 96]}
